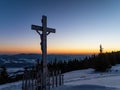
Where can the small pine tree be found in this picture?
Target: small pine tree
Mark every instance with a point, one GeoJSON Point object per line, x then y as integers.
{"type": "Point", "coordinates": [101, 64]}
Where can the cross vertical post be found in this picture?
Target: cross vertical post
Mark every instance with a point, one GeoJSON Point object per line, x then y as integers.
{"type": "Point", "coordinates": [101, 49]}
{"type": "Point", "coordinates": [45, 31]}
{"type": "Point", "coordinates": [44, 51]}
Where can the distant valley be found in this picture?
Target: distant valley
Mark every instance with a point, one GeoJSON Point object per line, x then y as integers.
{"type": "Point", "coordinates": [22, 60]}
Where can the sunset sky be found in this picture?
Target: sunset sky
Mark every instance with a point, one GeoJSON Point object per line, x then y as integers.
{"type": "Point", "coordinates": [81, 26]}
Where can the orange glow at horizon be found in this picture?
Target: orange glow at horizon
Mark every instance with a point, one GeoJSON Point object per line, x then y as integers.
{"type": "Point", "coordinates": [55, 50]}
{"type": "Point", "coordinates": [49, 51]}
{"type": "Point", "coordinates": [71, 51]}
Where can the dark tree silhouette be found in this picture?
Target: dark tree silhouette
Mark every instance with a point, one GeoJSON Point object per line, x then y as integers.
{"type": "Point", "coordinates": [3, 75]}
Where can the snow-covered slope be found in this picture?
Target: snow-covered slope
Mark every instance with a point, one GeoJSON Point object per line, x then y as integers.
{"type": "Point", "coordinates": [83, 80]}
{"type": "Point", "coordinates": [90, 80]}
{"type": "Point", "coordinates": [12, 86]}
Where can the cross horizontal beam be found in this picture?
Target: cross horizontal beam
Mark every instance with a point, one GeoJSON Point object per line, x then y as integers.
{"type": "Point", "coordinates": [36, 27]}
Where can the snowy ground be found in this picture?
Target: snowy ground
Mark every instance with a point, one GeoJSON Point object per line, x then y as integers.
{"type": "Point", "coordinates": [83, 80]}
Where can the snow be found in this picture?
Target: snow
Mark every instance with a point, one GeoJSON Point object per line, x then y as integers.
{"type": "Point", "coordinates": [12, 86]}
{"type": "Point", "coordinates": [10, 70]}
{"type": "Point", "coordinates": [83, 80]}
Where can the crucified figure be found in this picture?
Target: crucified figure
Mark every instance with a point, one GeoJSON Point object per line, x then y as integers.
{"type": "Point", "coordinates": [41, 37]}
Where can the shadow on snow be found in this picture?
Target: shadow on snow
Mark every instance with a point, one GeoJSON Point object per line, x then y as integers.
{"type": "Point", "coordinates": [85, 87]}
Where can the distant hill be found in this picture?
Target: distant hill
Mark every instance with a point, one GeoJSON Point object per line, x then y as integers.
{"type": "Point", "coordinates": [22, 60]}
{"type": "Point", "coordinates": [16, 56]}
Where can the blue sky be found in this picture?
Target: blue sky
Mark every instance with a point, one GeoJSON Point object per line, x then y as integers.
{"type": "Point", "coordinates": [81, 25]}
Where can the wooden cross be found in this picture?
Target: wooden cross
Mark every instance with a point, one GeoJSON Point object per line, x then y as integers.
{"type": "Point", "coordinates": [43, 31]}
{"type": "Point", "coordinates": [101, 49]}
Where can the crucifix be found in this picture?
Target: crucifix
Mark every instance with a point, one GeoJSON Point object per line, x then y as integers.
{"type": "Point", "coordinates": [43, 31]}
{"type": "Point", "coordinates": [101, 49]}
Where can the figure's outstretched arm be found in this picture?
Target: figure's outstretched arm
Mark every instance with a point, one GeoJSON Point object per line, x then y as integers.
{"type": "Point", "coordinates": [38, 32]}
{"type": "Point", "coordinates": [48, 33]}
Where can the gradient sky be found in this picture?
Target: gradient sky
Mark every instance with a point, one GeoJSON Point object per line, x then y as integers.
{"type": "Point", "coordinates": [81, 25]}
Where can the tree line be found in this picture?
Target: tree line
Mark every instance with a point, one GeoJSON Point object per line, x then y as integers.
{"type": "Point", "coordinates": [100, 63]}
